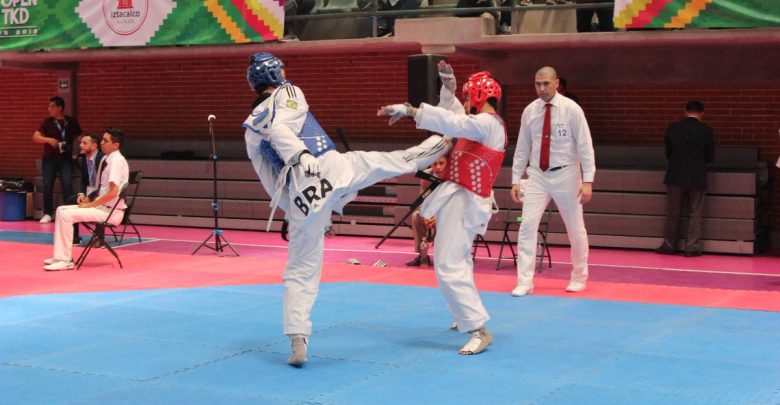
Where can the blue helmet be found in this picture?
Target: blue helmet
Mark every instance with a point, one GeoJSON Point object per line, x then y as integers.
{"type": "Point", "coordinates": [265, 69]}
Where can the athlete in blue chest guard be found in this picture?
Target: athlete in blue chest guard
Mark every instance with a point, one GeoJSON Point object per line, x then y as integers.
{"type": "Point", "coordinates": [299, 166]}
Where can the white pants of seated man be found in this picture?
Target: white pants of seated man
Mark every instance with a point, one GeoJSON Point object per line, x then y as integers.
{"type": "Point", "coordinates": [66, 216]}
{"type": "Point", "coordinates": [453, 263]}
{"type": "Point", "coordinates": [562, 187]}
{"type": "Point", "coordinates": [304, 252]}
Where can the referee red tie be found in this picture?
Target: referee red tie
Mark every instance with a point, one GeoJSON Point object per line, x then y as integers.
{"type": "Point", "coordinates": [103, 166]}
{"type": "Point", "coordinates": [544, 155]}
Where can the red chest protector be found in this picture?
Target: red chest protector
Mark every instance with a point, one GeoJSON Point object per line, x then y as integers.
{"type": "Point", "coordinates": [474, 166]}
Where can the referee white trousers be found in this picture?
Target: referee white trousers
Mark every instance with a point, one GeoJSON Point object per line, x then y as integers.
{"type": "Point", "coordinates": [305, 250]}
{"type": "Point", "coordinates": [66, 216]}
{"type": "Point", "coordinates": [454, 265]}
{"type": "Point", "coordinates": [562, 187]}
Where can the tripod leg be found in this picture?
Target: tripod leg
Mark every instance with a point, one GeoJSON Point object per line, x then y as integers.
{"type": "Point", "coordinates": [203, 244]}
{"type": "Point", "coordinates": [231, 247]}
{"type": "Point", "coordinates": [412, 207]}
{"type": "Point", "coordinates": [222, 242]}
{"type": "Point", "coordinates": [397, 224]}
{"type": "Point", "coordinates": [218, 243]}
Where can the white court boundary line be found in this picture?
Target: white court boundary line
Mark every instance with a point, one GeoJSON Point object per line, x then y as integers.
{"type": "Point", "coordinates": [134, 243]}
{"type": "Point", "coordinates": [672, 269]}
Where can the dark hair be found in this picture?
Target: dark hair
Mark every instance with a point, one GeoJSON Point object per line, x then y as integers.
{"type": "Point", "coordinates": [694, 107]}
{"type": "Point", "coordinates": [116, 135]}
{"type": "Point", "coordinates": [58, 101]}
{"type": "Point", "coordinates": [492, 100]}
{"type": "Point", "coordinates": [261, 97]}
{"type": "Point", "coordinates": [95, 138]}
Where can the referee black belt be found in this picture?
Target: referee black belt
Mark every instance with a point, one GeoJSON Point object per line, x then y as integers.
{"type": "Point", "coordinates": [556, 168]}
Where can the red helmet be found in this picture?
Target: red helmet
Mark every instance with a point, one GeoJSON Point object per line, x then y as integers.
{"type": "Point", "coordinates": [480, 87]}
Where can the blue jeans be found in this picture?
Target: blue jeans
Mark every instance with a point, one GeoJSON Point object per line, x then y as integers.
{"type": "Point", "coordinates": [50, 168]}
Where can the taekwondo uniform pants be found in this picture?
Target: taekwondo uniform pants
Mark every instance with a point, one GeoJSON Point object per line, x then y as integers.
{"type": "Point", "coordinates": [458, 221]}
{"type": "Point", "coordinates": [562, 187]}
{"type": "Point", "coordinates": [350, 172]}
{"type": "Point", "coordinates": [66, 216]}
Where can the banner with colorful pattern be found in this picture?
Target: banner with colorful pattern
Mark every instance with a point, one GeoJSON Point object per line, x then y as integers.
{"type": "Point", "coordinates": [49, 24]}
{"type": "Point", "coordinates": [697, 13]}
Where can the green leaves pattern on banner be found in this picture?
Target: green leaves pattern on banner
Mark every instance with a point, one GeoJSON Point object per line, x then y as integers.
{"type": "Point", "coordinates": [50, 24]}
{"type": "Point", "coordinates": [675, 14]}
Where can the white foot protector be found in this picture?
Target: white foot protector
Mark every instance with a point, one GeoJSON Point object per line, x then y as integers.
{"type": "Point", "coordinates": [480, 340]}
{"type": "Point", "coordinates": [522, 290]}
{"type": "Point", "coordinates": [575, 286]}
{"type": "Point", "coordinates": [299, 345]}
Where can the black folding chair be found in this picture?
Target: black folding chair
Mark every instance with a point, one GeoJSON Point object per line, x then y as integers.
{"type": "Point", "coordinates": [512, 217]}
{"type": "Point", "coordinates": [542, 248]}
{"type": "Point", "coordinates": [133, 184]}
{"type": "Point", "coordinates": [98, 235]}
{"type": "Point", "coordinates": [512, 220]}
{"type": "Point", "coordinates": [479, 241]}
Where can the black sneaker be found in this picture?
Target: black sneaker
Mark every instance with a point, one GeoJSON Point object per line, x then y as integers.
{"type": "Point", "coordinates": [415, 262]}
{"type": "Point", "coordinates": [383, 33]}
{"type": "Point", "coordinates": [665, 250]}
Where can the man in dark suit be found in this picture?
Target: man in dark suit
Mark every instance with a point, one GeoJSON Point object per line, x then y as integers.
{"type": "Point", "coordinates": [563, 88]}
{"type": "Point", "coordinates": [89, 163]}
{"type": "Point", "coordinates": [690, 146]}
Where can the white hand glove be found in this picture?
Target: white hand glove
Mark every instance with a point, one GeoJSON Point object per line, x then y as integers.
{"type": "Point", "coordinates": [447, 76]}
{"type": "Point", "coordinates": [310, 165]}
{"type": "Point", "coordinates": [396, 112]}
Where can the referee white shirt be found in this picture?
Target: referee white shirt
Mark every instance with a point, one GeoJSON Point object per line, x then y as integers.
{"type": "Point", "coordinates": [570, 141]}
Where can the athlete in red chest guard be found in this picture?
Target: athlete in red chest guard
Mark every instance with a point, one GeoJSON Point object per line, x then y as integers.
{"type": "Point", "coordinates": [463, 204]}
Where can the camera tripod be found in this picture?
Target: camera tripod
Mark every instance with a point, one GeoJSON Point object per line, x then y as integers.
{"type": "Point", "coordinates": [219, 240]}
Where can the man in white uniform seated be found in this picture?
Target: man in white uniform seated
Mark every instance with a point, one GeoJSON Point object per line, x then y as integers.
{"type": "Point", "coordinates": [113, 178]}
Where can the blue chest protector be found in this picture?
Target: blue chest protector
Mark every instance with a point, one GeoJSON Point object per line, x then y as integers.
{"type": "Point", "coordinates": [313, 136]}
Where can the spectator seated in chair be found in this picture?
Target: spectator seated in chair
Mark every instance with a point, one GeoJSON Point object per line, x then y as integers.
{"type": "Point", "coordinates": [386, 25]}
{"type": "Point", "coordinates": [293, 8]}
{"type": "Point", "coordinates": [114, 174]}
{"type": "Point", "coordinates": [422, 228]}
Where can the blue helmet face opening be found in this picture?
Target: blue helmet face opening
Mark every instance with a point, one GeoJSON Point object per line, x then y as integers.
{"type": "Point", "coordinates": [264, 69]}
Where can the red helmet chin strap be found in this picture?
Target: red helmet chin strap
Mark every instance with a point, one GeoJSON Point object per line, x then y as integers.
{"type": "Point", "coordinates": [479, 88]}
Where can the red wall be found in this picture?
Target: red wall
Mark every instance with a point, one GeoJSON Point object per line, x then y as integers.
{"type": "Point", "coordinates": [170, 99]}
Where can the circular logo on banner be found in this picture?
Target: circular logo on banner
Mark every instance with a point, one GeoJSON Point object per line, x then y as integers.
{"type": "Point", "coordinates": [124, 22]}
{"type": "Point", "coordinates": [125, 16]}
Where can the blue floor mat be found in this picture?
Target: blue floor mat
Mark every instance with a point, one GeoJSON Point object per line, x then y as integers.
{"type": "Point", "coordinates": [47, 238]}
{"type": "Point", "coordinates": [378, 344]}
{"type": "Point", "coordinates": [43, 238]}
